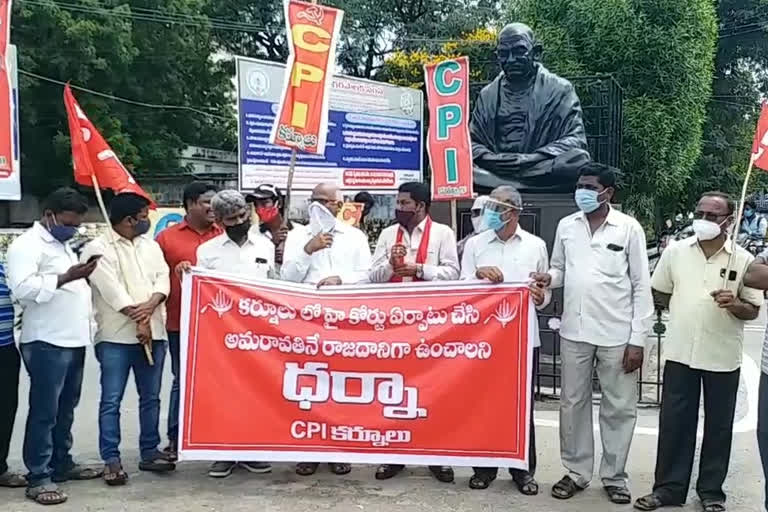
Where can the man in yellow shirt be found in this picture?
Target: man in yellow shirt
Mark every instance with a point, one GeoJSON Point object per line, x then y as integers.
{"type": "Point", "coordinates": [130, 285]}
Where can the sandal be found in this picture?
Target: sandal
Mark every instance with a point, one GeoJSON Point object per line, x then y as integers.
{"type": "Point", "coordinates": [618, 495]}
{"type": "Point", "coordinates": [526, 484]}
{"type": "Point", "coordinates": [713, 506]}
{"type": "Point", "coordinates": [306, 468]}
{"type": "Point", "coordinates": [78, 472]}
{"type": "Point", "coordinates": [565, 489]}
{"type": "Point", "coordinates": [387, 471]}
{"type": "Point", "coordinates": [480, 482]}
{"type": "Point", "coordinates": [157, 464]}
{"type": "Point", "coordinates": [338, 468]}
{"type": "Point", "coordinates": [649, 502]}
{"type": "Point", "coordinates": [48, 494]}
{"type": "Point", "coordinates": [12, 480]}
{"type": "Point", "coordinates": [114, 475]}
{"type": "Point", "coordinates": [442, 473]}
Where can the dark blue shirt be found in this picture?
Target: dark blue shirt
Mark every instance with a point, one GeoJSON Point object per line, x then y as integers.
{"type": "Point", "coordinates": [6, 312]}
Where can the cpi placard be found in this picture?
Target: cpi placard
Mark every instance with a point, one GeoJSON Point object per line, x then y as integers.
{"type": "Point", "coordinates": [448, 142]}
{"type": "Point", "coordinates": [10, 173]}
{"type": "Point", "coordinates": [374, 138]}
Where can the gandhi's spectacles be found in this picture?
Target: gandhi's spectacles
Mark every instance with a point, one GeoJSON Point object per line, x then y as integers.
{"type": "Point", "coordinates": [519, 52]}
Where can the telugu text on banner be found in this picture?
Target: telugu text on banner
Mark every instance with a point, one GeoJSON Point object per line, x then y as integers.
{"type": "Point", "coordinates": [302, 121]}
{"type": "Point", "coordinates": [448, 142]}
{"type": "Point", "coordinates": [417, 373]}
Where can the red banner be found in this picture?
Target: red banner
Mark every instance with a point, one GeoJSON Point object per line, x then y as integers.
{"type": "Point", "coordinates": [7, 116]}
{"type": "Point", "coordinates": [406, 373]}
{"type": "Point", "coordinates": [760, 144]}
{"type": "Point", "coordinates": [448, 142]}
{"type": "Point", "coordinates": [92, 156]}
{"type": "Point", "coordinates": [312, 32]}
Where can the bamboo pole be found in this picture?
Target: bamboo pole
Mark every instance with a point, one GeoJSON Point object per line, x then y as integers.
{"type": "Point", "coordinates": [737, 223]}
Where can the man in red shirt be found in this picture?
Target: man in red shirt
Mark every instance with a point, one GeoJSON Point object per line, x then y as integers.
{"type": "Point", "coordinates": [179, 244]}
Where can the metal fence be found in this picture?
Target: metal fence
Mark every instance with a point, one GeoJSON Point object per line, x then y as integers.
{"type": "Point", "coordinates": [548, 383]}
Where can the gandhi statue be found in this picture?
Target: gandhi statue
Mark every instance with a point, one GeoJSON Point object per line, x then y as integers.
{"type": "Point", "coordinates": [527, 128]}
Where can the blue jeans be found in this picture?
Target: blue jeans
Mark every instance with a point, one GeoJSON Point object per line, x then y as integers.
{"type": "Point", "coordinates": [116, 361]}
{"type": "Point", "coordinates": [56, 377]}
{"type": "Point", "coordinates": [173, 408]}
{"type": "Point", "coordinates": [762, 429]}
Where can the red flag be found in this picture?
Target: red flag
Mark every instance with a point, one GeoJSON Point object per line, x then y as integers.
{"type": "Point", "coordinates": [6, 99]}
{"type": "Point", "coordinates": [760, 145]}
{"type": "Point", "coordinates": [92, 156]}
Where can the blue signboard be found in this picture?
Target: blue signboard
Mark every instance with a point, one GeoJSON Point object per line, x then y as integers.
{"type": "Point", "coordinates": [375, 133]}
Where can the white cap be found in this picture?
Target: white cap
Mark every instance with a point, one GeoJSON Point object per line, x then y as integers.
{"type": "Point", "coordinates": [479, 202]}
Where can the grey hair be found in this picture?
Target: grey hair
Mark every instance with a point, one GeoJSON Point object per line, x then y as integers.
{"type": "Point", "coordinates": [508, 194]}
{"type": "Point", "coordinates": [227, 202]}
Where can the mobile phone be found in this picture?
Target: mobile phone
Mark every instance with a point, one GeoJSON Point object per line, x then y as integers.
{"type": "Point", "coordinates": [94, 257]}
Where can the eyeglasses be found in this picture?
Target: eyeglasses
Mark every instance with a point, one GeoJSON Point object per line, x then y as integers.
{"type": "Point", "coordinates": [519, 52]}
{"type": "Point", "coordinates": [713, 217]}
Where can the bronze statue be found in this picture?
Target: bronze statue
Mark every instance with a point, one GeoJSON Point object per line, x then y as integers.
{"type": "Point", "coordinates": [527, 128]}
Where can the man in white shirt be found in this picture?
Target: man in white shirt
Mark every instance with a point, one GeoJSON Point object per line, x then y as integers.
{"type": "Point", "coordinates": [416, 248]}
{"type": "Point", "coordinates": [600, 258]}
{"type": "Point", "coordinates": [326, 253]}
{"type": "Point", "coordinates": [703, 347]}
{"type": "Point", "coordinates": [505, 252]}
{"type": "Point", "coordinates": [476, 215]}
{"type": "Point", "coordinates": [130, 285]}
{"type": "Point", "coordinates": [239, 250]}
{"type": "Point", "coordinates": [45, 278]}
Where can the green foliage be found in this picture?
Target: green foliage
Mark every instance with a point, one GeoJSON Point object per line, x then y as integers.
{"type": "Point", "coordinates": [661, 52]}
{"type": "Point", "coordinates": [144, 61]}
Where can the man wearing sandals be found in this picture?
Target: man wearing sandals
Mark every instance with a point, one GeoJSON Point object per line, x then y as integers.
{"type": "Point", "coordinates": [505, 252]}
{"type": "Point", "coordinates": [415, 249]}
{"type": "Point", "coordinates": [49, 284]}
{"type": "Point", "coordinates": [240, 249]}
{"type": "Point", "coordinates": [599, 256]}
{"type": "Point", "coordinates": [130, 284]}
{"type": "Point", "coordinates": [328, 253]}
{"type": "Point", "coordinates": [708, 307]}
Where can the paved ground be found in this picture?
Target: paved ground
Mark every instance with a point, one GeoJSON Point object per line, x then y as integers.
{"type": "Point", "coordinates": [282, 491]}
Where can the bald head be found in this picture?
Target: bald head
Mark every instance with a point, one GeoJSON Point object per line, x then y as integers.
{"type": "Point", "coordinates": [517, 52]}
{"type": "Point", "coordinates": [328, 195]}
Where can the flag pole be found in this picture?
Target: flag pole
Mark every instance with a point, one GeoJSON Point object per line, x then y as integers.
{"type": "Point", "coordinates": [100, 200]}
{"type": "Point", "coordinates": [454, 217]}
{"type": "Point", "coordinates": [737, 223]}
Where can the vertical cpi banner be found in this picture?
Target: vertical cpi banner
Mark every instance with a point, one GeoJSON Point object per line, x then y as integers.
{"type": "Point", "coordinates": [448, 143]}
{"type": "Point", "coordinates": [7, 116]}
{"type": "Point", "coordinates": [302, 121]}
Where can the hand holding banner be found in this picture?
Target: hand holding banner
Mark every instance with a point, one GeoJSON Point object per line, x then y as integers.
{"type": "Point", "coordinates": [312, 31]}
{"type": "Point", "coordinates": [422, 374]}
{"type": "Point", "coordinates": [448, 142]}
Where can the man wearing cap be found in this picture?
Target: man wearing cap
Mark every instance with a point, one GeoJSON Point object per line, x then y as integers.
{"type": "Point", "coordinates": [269, 204]}
{"type": "Point", "coordinates": [179, 244]}
{"type": "Point", "coordinates": [476, 214]}
{"type": "Point", "coordinates": [505, 252]}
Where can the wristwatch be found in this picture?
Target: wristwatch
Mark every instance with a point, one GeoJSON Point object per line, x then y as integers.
{"type": "Point", "coordinates": [419, 271]}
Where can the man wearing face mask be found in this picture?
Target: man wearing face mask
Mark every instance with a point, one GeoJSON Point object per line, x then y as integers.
{"type": "Point", "coordinates": [269, 206]}
{"type": "Point", "coordinates": [130, 285]}
{"type": "Point", "coordinates": [45, 278]}
{"type": "Point", "coordinates": [599, 256]}
{"type": "Point", "coordinates": [476, 214]}
{"type": "Point", "coordinates": [703, 346]}
{"type": "Point", "coordinates": [179, 244]}
{"type": "Point", "coordinates": [505, 252]}
{"type": "Point", "coordinates": [328, 253]}
{"type": "Point", "coordinates": [753, 226]}
{"type": "Point", "coordinates": [415, 249]}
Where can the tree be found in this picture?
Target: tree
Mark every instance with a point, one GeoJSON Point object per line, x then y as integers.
{"type": "Point", "coordinates": [661, 52]}
{"type": "Point", "coordinates": [118, 50]}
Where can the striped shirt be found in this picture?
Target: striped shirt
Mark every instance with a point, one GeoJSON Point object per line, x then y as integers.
{"type": "Point", "coordinates": [6, 312]}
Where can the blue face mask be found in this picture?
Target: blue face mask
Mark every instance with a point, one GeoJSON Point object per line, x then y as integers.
{"type": "Point", "coordinates": [749, 213]}
{"type": "Point", "coordinates": [586, 200]}
{"type": "Point", "coordinates": [141, 228]}
{"type": "Point", "coordinates": [60, 232]}
{"type": "Point", "coordinates": [492, 220]}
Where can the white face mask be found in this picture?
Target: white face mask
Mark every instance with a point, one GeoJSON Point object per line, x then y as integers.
{"type": "Point", "coordinates": [321, 220]}
{"type": "Point", "coordinates": [706, 229]}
